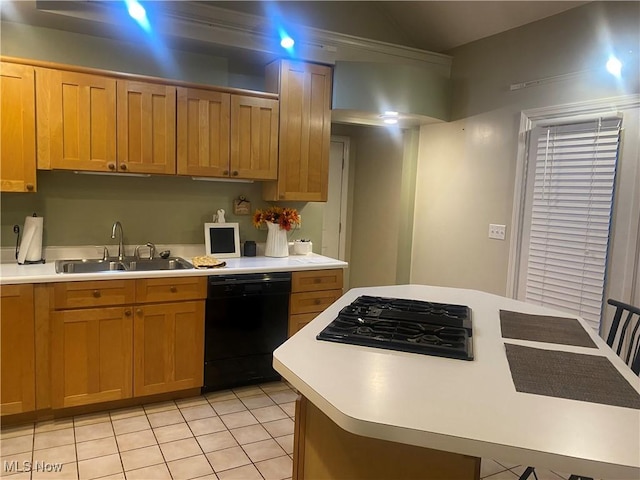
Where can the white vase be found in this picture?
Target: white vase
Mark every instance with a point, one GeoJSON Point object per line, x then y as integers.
{"type": "Point", "coordinates": [277, 244]}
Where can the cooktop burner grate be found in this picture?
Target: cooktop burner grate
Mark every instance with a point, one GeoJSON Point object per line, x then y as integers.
{"type": "Point", "coordinates": [405, 325]}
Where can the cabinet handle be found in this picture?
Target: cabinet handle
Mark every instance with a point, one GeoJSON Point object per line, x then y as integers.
{"type": "Point", "coordinates": [225, 172]}
{"type": "Point", "coordinates": [123, 166]}
{"type": "Point", "coordinates": [318, 301]}
{"type": "Point", "coordinates": [29, 187]}
{"type": "Point", "coordinates": [97, 294]}
{"type": "Point", "coordinates": [139, 311]}
{"type": "Point", "coordinates": [127, 312]}
{"type": "Point", "coordinates": [111, 165]}
{"type": "Point", "coordinates": [173, 289]}
{"type": "Point", "coordinates": [235, 173]}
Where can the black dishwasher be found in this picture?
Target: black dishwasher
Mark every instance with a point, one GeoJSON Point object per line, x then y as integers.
{"type": "Point", "coordinates": [246, 319]}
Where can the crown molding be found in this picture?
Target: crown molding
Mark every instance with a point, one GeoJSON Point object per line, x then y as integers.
{"type": "Point", "coordinates": [220, 27]}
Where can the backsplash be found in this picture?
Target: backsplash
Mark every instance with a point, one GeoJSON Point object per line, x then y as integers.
{"type": "Point", "coordinates": [80, 210]}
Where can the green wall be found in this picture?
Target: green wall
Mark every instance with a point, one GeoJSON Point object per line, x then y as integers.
{"type": "Point", "coordinates": [80, 209]}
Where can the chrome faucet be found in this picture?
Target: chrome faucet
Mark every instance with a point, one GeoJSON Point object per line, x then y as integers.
{"type": "Point", "coordinates": [152, 250]}
{"type": "Point", "coordinates": [118, 226]}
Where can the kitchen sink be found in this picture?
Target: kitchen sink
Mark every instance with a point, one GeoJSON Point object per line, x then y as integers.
{"type": "Point", "coordinates": [88, 266]}
{"type": "Point", "coordinates": [171, 263]}
{"type": "Point", "coordinates": [96, 266]}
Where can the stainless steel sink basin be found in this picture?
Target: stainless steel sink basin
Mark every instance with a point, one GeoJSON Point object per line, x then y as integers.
{"type": "Point", "coordinates": [88, 266]}
{"type": "Point", "coordinates": [171, 263]}
{"type": "Point", "coordinates": [128, 264]}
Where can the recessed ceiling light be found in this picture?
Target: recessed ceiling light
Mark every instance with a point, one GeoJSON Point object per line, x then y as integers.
{"type": "Point", "coordinates": [390, 121]}
{"type": "Point", "coordinates": [287, 42]}
{"type": "Point", "coordinates": [614, 66]}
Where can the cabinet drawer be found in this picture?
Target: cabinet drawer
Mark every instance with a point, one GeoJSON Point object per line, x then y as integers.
{"type": "Point", "coordinates": [170, 289]}
{"type": "Point", "coordinates": [296, 322]}
{"type": "Point", "coordinates": [93, 294]}
{"type": "Point", "coordinates": [308, 302]}
{"type": "Point", "coordinates": [316, 280]}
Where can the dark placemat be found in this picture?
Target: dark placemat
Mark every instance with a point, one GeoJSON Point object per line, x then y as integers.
{"type": "Point", "coordinates": [543, 328]}
{"type": "Point", "coordinates": [576, 376]}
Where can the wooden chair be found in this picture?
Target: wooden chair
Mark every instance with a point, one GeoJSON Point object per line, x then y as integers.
{"type": "Point", "coordinates": [624, 335]}
{"type": "Point", "coordinates": [624, 339]}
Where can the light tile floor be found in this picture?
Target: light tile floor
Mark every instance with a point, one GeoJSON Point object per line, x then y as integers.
{"type": "Point", "coordinates": [244, 433]}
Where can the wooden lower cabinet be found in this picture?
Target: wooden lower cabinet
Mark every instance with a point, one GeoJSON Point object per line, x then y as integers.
{"type": "Point", "coordinates": [312, 292]}
{"type": "Point", "coordinates": [17, 357]}
{"type": "Point", "coordinates": [91, 356]}
{"type": "Point", "coordinates": [323, 450]}
{"type": "Point", "coordinates": [168, 347]}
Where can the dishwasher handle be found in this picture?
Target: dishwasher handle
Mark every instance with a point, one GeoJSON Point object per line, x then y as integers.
{"type": "Point", "coordinates": [249, 285]}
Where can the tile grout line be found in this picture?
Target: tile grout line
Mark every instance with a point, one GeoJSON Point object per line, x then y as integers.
{"type": "Point", "coordinates": [210, 404]}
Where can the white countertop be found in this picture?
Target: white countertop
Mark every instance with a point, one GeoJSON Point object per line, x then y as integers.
{"type": "Point", "coordinates": [12, 273]}
{"type": "Point", "coordinates": [468, 407]}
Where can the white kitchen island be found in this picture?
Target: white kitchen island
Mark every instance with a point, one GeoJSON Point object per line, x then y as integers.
{"type": "Point", "coordinates": [470, 408]}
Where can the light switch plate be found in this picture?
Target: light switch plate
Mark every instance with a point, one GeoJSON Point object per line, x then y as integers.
{"type": "Point", "coordinates": [497, 231]}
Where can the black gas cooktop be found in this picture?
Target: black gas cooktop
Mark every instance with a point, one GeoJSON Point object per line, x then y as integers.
{"type": "Point", "coordinates": [405, 325]}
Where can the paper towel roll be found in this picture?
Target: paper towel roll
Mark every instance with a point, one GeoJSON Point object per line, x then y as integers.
{"type": "Point", "coordinates": [31, 245]}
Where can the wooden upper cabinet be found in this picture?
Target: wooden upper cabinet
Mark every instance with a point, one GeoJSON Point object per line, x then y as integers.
{"type": "Point", "coordinates": [76, 120]}
{"type": "Point", "coordinates": [146, 128]}
{"type": "Point", "coordinates": [203, 132]}
{"type": "Point", "coordinates": [254, 138]}
{"type": "Point", "coordinates": [305, 130]}
{"type": "Point", "coordinates": [18, 128]}
{"type": "Point", "coordinates": [17, 351]}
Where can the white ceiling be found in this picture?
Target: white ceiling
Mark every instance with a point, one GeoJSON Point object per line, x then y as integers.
{"type": "Point", "coordinates": [435, 26]}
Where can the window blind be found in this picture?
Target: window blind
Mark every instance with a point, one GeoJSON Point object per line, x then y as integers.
{"type": "Point", "coordinates": [570, 214]}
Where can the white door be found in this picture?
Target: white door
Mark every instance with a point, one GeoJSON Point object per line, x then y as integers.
{"type": "Point", "coordinates": [335, 209]}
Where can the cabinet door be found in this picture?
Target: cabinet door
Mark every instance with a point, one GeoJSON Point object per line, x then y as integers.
{"type": "Point", "coordinates": [17, 128]}
{"type": "Point", "coordinates": [76, 121]}
{"type": "Point", "coordinates": [91, 356]}
{"type": "Point", "coordinates": [305, 129]}
{"type": "Point", "coordinates": [254, 138]}
{"type": "Point", "coordinates": [203, 132]}
{"type": "Point", "coordinates": [168, 347]}
{"type": "Point", "coordinates": [146, 128]}
{"type": "Point", "coordinates": [17, 359]}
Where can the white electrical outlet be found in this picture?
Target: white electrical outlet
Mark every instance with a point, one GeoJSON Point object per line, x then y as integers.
{"type": "Point", "coordinates": [497, 231]}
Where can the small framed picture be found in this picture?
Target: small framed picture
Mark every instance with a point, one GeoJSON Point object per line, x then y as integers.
{"type": "Point", "coordinates": [222, 240]}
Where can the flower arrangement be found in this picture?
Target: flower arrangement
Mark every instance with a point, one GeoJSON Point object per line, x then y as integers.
{"type": "Point", "coordinates": [287, 218]}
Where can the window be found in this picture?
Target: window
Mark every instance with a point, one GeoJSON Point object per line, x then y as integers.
{"type": "Point", "coordinates": [567, 215]}
{"type": "Point", "coordinates": [622, 270]}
